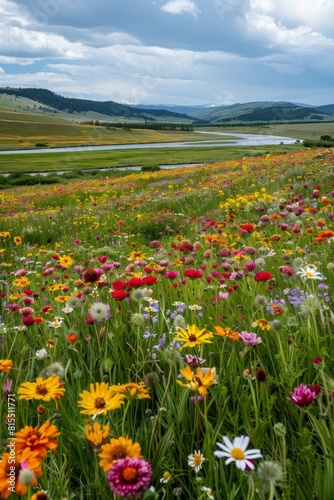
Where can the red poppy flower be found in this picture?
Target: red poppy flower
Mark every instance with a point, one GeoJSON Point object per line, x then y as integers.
{"type": "Point", "coordinates": [134, 283]}
{"type": "Point", "coordinates": [118, 285]}
{"type": "Point", "coordinates": [119, 294]}
{"type": "Point", "coordinates": [149, 280]}
{"type": "Point", "coordinates": [193, 273]}
{"type": "Point", "coordinates": [263, 276]}
{"type": "Point", "coordinates": [247, 227]}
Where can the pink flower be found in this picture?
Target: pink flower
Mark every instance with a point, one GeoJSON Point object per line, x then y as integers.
{"type": "Point", "coordinates": [250, 338]}
{"type": "Point", "coordinates": [288, 271]}
{"type": "Point", "coordinates": [129, 477]}
{"type": "Point", "coordinates": [193, 360]}
{"type": "Point", "coordinates": [250, 266]}
{"type": "Point", "coordinates": [171, 275]}
{"type": "Point", "coordinates": [304, 395]}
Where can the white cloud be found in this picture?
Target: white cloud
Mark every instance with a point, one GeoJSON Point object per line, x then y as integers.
{"type": "Point", "coordinates": [21, 61]}
{"type": "Point", "coordinates": [181, 7]}
{"type": "Point", "coordinates": [20, 39]}
{"type": "Point", "coordinates": [317, 14]}
{"type": "Point", "coordinates": [301, 38]}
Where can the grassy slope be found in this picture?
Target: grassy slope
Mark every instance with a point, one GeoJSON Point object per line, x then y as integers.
{"type": "Point", "coordinates": [22, 130]}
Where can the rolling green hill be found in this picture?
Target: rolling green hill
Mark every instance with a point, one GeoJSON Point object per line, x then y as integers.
{"type": "Point", "coordinates": [327, 108]}
{"type": "Point", "coordinates": [253, 112]}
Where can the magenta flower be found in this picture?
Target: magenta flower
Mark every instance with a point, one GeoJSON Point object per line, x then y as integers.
{"type": "Point", "coordinates": [288, 271]}
{"type": "Point", "coordinates": [171, 275]}
{"type": "Point", "coordinates": [250, 338]}
{"type": "Point", "coordinates": [129, 477]}
{"type": "Point", "coordinates": [304, 395]}
{"type": "Point", "coordinates": [250, 266]}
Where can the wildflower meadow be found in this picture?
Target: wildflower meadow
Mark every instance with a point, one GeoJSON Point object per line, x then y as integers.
{"type": "Point", "coordinates": [170, 334]}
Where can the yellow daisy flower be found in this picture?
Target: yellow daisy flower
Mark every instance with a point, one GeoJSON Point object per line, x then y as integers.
{"type": "Point", "coordinates": [132, 390]}
{"type": "Point", "coordinates": [100, 399]}
{"type": "Point", "coordinates": [199, 381]}
{"type": "Point", "coordinates": [193, 336]}
{"type": "Point", "coordinates": [45, 390]}
{"type": "Point", "coordinates": [96, 435]}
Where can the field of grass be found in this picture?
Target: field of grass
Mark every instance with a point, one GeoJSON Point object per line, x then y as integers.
{"type": "Point", "coordinates": [20, 130]}
{"type": "Point", "coordinates": [170, 334]}
{"type": "Point", "coordinates": [53, 162]}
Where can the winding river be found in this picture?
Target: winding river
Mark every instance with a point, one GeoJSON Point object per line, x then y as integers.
{"type": "Point", "coordinates": [237, 140]}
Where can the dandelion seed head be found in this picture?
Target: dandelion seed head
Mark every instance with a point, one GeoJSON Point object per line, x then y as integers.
{"type": "Point", "coordinates": [270, 472]}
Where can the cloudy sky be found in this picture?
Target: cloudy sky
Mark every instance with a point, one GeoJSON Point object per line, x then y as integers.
{"type": "Point", "coordinates": [171, 51]}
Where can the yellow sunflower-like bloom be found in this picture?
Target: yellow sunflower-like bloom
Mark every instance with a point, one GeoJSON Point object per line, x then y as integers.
{"type": "Point", "coordinates": [96, 435]}
{"type": "Point", "coordinates": [118, 448]}
{"type": "Point", "coordinates": [199, 381]}
{"type": "Point", "coordinates": [193, 336]}
{"type": "Point", "coordinates": [132, 390]}
{"type": "Point", "coordinates": [45, 390]}
{"type": "Point", "coordinates": [21, 282]}
{"type": "Point", "coordinates": [10, 482]}
{"type": "Point", "coordinates": [6, 365]}
{"type": "Point", "coordinates": [227, 332]}
{"type": "Point", "coordinates": [100, 399]}
{"type": "Point", "coordinates": [262, 323]}
{"type": "Point", "coordinates": [136, 256]}
{"type": "Point", "coordinates": [39, 439]}
{"type": "Point", "coordinates": [66, 260]}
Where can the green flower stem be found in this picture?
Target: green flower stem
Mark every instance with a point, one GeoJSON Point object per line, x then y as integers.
{"type": "Point", "coordinates": [271, 490]}
{"type": "Point", "coordinates": [124, 416]}
{"type": "Point", "coordinates": [162, 402]}
{"type": "Point", "coordinates": [256, 408]}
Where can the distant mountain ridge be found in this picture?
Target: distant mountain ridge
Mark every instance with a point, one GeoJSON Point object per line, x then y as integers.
{"type": "Point", "coordinates": [74, 105]}
{"type": "Point", "coordinates": [238, 113]}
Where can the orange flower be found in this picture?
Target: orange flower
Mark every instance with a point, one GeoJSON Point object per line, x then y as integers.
{"type": "Point", "coordinates": [6, 365]}
{"type": "Point", "coordinates": [10, 468]}
{"type": "Point", "coordinates": [17, 240]}
{"type": "Point", "coordinates": [118, 448]}
{"type": "Point", "coordinates": [227, 332]}
{"type": "Point", "coordinates": [38, 439]}
{"type": "Point", "coordinates": [277, 310]}
{"type": "Point", "coordinates": [71, 338]}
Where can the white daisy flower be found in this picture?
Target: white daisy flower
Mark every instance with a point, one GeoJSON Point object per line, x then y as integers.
{"type": "Point", "coordinates": [196, 460]}
{"type": "Point", "coordinates": [208, 492]}
{"type": "Point", "coordinates": [310, 272]}
{"type": "Point", "coordinates": [236, 452]}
